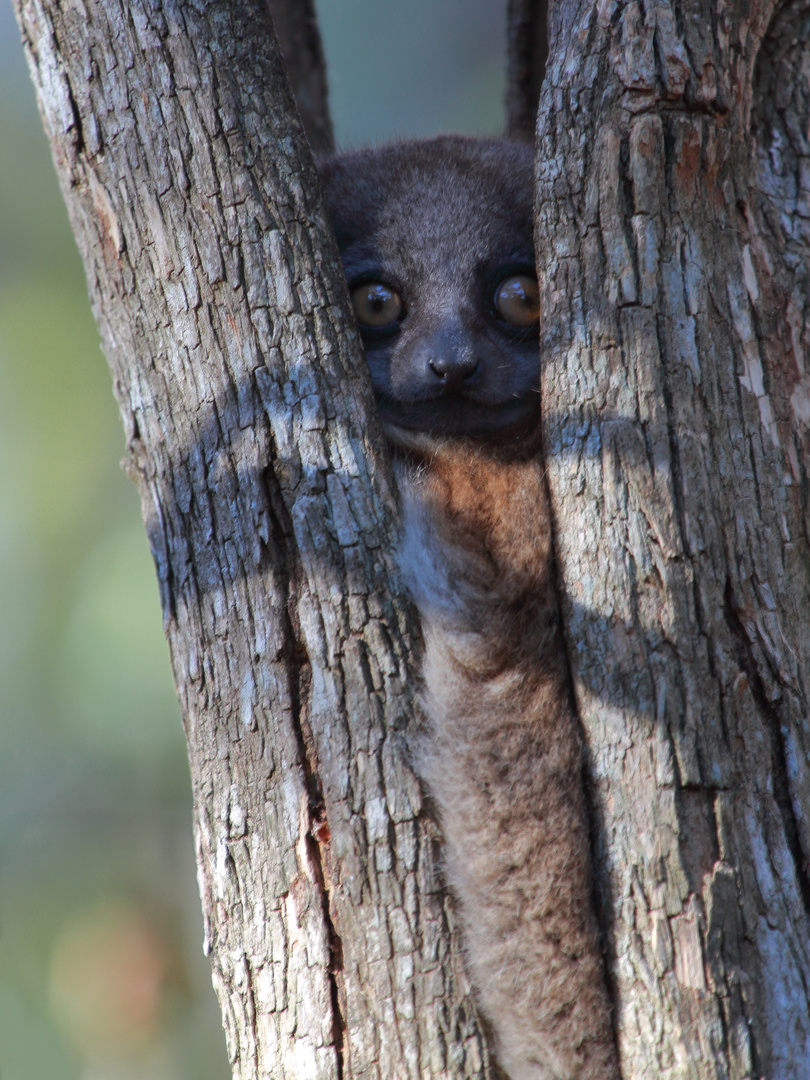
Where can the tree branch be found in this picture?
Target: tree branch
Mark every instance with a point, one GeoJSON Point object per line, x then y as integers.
{"type": "Point", "coordinates": [527, 52]}
{"type": "Point", "coordinates": [299, 38]}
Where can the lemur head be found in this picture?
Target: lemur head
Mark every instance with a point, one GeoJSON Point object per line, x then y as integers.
{"type": "Point", "coordinates": [436, 240]}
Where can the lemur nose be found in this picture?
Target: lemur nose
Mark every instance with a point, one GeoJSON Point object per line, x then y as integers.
{"type": "Point", "coordinates": [453, 370]}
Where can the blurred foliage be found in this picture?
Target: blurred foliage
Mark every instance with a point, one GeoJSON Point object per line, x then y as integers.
{"type": "Point", "coordinates": [101, 969]}
{"type": "Point", "coordinates": [414, 69]}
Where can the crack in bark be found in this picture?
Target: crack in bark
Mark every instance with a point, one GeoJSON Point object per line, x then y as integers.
{"type": "Point", "coordinates": [299, 668]}
{"type": "Point", "coordinates": [781, 776]}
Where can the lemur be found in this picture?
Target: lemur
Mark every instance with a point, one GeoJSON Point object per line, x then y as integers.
{"type": "Point", "coordinates": [437, 244]}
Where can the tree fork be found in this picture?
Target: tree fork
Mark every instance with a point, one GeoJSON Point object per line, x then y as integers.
{"type": "Point", "coordinates": [673, 251]}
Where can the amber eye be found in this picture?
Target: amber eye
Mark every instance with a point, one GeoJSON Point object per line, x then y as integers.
{"type": "Point", "coordinates": [517, 300]}
{"type": "Point", "coordinates": [375, 304]}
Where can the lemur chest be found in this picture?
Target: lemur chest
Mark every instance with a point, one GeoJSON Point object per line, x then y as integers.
{"type": "Point", "coordinates": [477, 541]}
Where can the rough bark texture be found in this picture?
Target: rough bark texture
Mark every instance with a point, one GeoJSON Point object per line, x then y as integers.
{"type": "Point", "coordinates": [672, 226]}
{"type": "Point", "coordinates": [253, 439]}
{"type": "Point", "coordinates": [527, 53]}
{"type": "Point", "coordinates": [672, 215]}
{"type": "Point", "coordinates": [296, 27]}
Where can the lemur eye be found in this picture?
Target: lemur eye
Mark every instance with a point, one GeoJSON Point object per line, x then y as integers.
{"type": "Point", "coordinates": [517, 300]}
{"type": "Point", "coordinates": [376, 304]}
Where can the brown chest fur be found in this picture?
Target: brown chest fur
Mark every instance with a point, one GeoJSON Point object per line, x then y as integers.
{"type": "Point", "coordinates": [503, 761]}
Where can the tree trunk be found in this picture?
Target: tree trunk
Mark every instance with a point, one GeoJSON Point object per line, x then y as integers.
{"type": "Point", "coordinates": [672, 228]}
{"type": "Point", "coordinates": [674, 246]}
{"type": "Point", "coordinates": [253, 439]}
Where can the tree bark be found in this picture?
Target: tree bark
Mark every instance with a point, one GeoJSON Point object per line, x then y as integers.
{"type": "Point", "coordinates": [673, 243]}
{"type": "Point", "coordinates": [296, 27]}
{"type": "Point", "coordinates": [253, 439]}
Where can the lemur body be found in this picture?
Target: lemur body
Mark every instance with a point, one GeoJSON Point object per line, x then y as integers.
{"type": "Point", "coordinates": [436, 239]}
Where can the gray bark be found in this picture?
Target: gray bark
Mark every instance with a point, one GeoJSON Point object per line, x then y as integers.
{"type": "Point", "coordinates": [252, 436]}
{"type": "Point", "coordinates": [673, 240]}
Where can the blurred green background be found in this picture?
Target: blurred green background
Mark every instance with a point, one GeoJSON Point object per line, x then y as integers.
{"type": "Point", "coordinates": [101, 969]}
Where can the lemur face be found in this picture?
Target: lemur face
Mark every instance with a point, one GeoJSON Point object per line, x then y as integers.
{"type": "Point", "coordinates": [436, 241]}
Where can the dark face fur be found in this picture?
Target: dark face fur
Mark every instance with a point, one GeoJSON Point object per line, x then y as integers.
{"type": "Point", "coordinates": [436, 240]}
